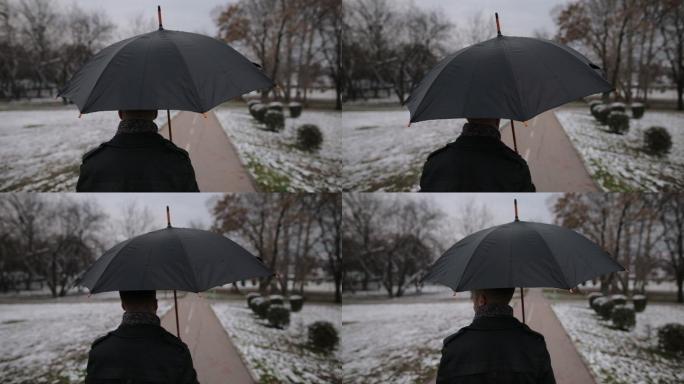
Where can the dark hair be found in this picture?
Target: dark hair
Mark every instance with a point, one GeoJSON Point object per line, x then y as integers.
{"type": "Point", "coordinates": [139, 114]}
{"type": "Point", "coordinates": [497, 295]}
{"type": "Point", "coordinates": [137, 297]}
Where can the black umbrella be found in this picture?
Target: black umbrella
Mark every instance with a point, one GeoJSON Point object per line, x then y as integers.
{"type": "Point", "coordinates": [183, 259]}
{"type": "Point", "coordinates": [505, 77]}
{"type": "Point", "coordinates": [521, 254]}
{"type": "Point", "coordinates": [164, 69]}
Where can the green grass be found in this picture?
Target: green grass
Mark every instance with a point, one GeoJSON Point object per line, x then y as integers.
{"type": "Point", "coordinates": [268, 179]}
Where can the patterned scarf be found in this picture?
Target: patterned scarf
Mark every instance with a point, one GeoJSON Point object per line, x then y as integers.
{"type": "Point", "coordinates": [138, 318]}
{"type": "Point", "coordinates": [493, 310]}
{"type": "Point", "coordinates": [480, 130]}
{"type": "Point", "coordinates": [137, 126]}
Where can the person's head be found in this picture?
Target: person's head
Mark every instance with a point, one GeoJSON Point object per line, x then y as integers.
{"type": "Point", "coordinates": [138, 115]}
{"type": "Point", "coordinates": [482, 297]}
{"type": "Point", "coordinates": [478, 121]}
{"type": "Point", "coordinates": [139, 301]}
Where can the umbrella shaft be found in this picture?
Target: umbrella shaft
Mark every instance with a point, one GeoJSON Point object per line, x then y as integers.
{"type": "Point", "coordinates": [522, 302]}
{"type": "Point", "coordinates": [515, 143]}
{"type": "Point", "coordinates": [168, 119]}
{"type": "Point", "coordinates": [175, 306]}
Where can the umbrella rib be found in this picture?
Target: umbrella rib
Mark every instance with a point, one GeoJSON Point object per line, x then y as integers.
{"type": "Point", "coordinates": [513, 75]}
{"type": "Point", "coordinates": [192, 80]}
{"type": "Point", "coordinates": [90, 102]}
{"type": "Point", "coordinates": [472, 255]}
{"type": "Point", "coordinates": [420, 108]}
{"type": "Point", "coordinates": [185, 253]}
{"type": "Point", "coordinates": [97, 282]}
{"type": "Point", "coordinates": [546, 245]}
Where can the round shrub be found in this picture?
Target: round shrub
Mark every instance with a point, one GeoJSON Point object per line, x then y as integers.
{"type": "Point", "coordinates": [657, 141]}
{"type": "Point", "coordinates": [639, 303]}
{"type": "Point", "coordinates": [258, 111]}
{"type": "Point", "coordinates": [601, 113]}
{"type": "Point", "coordinates": [594, 103]}
{"type": "Point", "coordinates": [278, 316]}
{"type": "Point", "coordinates": [638, 110]}
{"type": "Point", "coordinates": [274, 120]}
{"type": "Point", "coordinates": [623, 317]}
{"type": "Point", "coordinates": [323, 336]}
{"type": "Point", "coordinates": [251, 296]}
{"type": "Point", "coordinates": [252, 102]}
{"type": "Point", "coordinates": [309, 138]}
{"type": "Point", "coordinates": [619, 299]}
{"type": "Point", "coordinates": [618, 107]}
{"type": "Point", "coordinates": [275, 106]}
{"type": "Point", "coordinates": [295, 109]}
{"type": "Point", "coordinates": [671, 338]}
{"type": "Point", "coordinates": [296, 303]}
{"type": "Point", "coordinates": [276, 300]}
{"type": "Point", "coordinates": [260, 306]}
{"type": "Point", "coordinates": [593, 296]}
{"type": "Point", "coordinates": [604, 306]}
{"type": "Point", "coordinates": [618, 122]}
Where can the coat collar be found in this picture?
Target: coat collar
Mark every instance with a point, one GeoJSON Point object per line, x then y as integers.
{"type": "Point", "coordinates": [485, 323]}
{"type": "Point", "coordinates": [136, 140]}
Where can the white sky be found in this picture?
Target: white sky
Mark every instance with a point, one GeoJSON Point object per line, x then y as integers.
{"type": "Point", "coordinates": [517, 17]}
{"type": "Point", "coordinates": [185, 207]}
{"type": "Point", "coordinates": [182, 15]}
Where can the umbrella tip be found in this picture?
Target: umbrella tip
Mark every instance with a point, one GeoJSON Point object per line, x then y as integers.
{"type": "Point", "coordinates": [159, 17]}
{"type": "Point", "coordinates": [168, 217]}
{"type": "Point", "coordinates": [515, 206]}
{"type": "Point", "coordinates": [498, 26]}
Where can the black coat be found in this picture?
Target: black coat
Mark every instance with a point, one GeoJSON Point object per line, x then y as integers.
{"type": "Point", "coordinates": [476, 164]}
{"type": "Point", "coordinates": [137, 162]}
{"type": "Point", "coordinates": [498, 350]}
{"type": "Point", "coordinates": [140, 353]}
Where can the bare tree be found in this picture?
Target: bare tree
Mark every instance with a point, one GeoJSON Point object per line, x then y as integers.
{"type": "Point", "coordinates": [672, 220]}
{"type": "Point", "coordinates": [134, 220]}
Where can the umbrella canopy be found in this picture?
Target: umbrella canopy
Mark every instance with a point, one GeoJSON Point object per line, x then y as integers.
{"type": "Point", "coordinates": [505, 77]}
{"type": "Point", "coordinates": [521, 254]}
{"type": "Point", "coordinates": [164, 69]}
{"type": "Point", "coordinates": [172, 259]}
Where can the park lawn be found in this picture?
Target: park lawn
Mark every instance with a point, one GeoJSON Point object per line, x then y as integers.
{"type": "Point", "coordinates": [281, 356]}
{"type": "Point", "coordinates": [273, 158]}
{"type": "Point", "coordinates": [616, 356]}
{"type": "Point", "coordinates": [41, 148]}
{"type": "Point", "coordinates": [398, 342]}
{"type": "Point", "coordinates": [618, 162]}
{"type": "Point", "coordinates": [49, 342]}
{"type": "Point", "coordinates": [381, 153]}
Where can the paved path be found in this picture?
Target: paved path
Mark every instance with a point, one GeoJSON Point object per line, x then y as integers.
{"type": "Point", "coordinates": [217, 165]}
{"type": "Point", "coordinates": [214, 356]}
{"type": "Point", "coordinates": [554, 162]}
{"type": "Point", "coordinates": [568, 366]}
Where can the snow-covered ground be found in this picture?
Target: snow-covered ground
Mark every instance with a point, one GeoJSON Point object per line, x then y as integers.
{"type": "Point", "coordinates": [274, 160]}
{"type": "Point", "coordinates": [382, 154]}
{"type": "Point", "coordinates": [41, 149]}
{"type": "Point", "coordinates": [616, 356]}
{"type": "Point", "coordinates": [399, 342]}
{"type": "Point", "coordinates": [281, 356]}
{"type": "Point", "coordinates": [617, 162]}
{"type": "Point", "coordinates": [49, 342]}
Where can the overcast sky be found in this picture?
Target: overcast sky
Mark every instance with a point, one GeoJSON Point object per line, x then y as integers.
{"type": "Point", "coordinates": [182, 15]}
{"type": "Point", "coordinates": [185, 207]}
{"type": "Point", "coordinates": [518, 18]}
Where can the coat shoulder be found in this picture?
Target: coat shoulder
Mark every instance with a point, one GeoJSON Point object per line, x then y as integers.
{"type": "Point", "coordinates": [438, 152]}
{"type": "Point", "coordinates": [101, 339]}
{"type": "Point", "coordinates": [535, 334]}
{"type": "Point", "coordinates": [454, 336]}
{"type": "Point", "coordinates": [173, 147]}
{"type": "Point", "coordinates": [93, 151]}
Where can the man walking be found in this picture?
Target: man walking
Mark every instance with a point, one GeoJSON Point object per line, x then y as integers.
{"type": "Point", "coordinates": [139, 350]}
{"type": "Point", "coordinates": [478, 161]}
{"type": "Point", "coordinates": [496, 347]}
{"type": "Point", "coordinates": [137, 159]}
